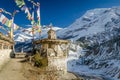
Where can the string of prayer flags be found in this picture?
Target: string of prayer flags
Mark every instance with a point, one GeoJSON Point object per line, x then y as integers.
{"type": "Point", "coordinates": [38, 15]}
{"type": "Point", "coordinates": [21, 4]}
{"type": "Point", "coordinates": [26, 10]}
{"type": "Point", "coordinates": [38, 10]}
{"type": "Point", "coordinates": [6, 12]}
{"type": "Point", "coordinates": [32, 19]}
{"type": "Point", "coordinates": [36, 26]}
{"type": "Point", "coordinates": [3, 28]}
{"type": "Point", "coordinates": [9, 23]}
{"type": "Point", "coordinates": [5, 21]}
{"type": "Point", "coordinates": [28, 14]}
{"type": "Point", "coordinates": [13, 26]}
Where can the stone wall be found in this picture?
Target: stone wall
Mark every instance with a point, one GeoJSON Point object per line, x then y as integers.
{"type": "Point", "coordinates": [57, 63]}
{"type": "Point", "coordinates": [4, 56]}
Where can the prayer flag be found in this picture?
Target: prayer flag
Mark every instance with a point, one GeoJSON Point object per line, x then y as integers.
{"type": "Point", "coordinates": [24, 8]}
{"type": "Point", "coordinates": [4, 20]}
{"type": "Point", "coordinates": [7, 22]}
{"type": "Point", "coordinates": [2, 17]}
{"type": "Point", "coordinates": [20, 3]}
{"type": "Point", "coordinates": [10, 23]}
{"type": "Point", "coordinates": [15, 27]}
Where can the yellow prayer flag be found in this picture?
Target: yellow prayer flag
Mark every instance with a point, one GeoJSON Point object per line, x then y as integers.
{"type": "Point", "coordinates": [10, 23]}
{"type": "Point", "coordinates": [39, 30]}
{"type": "Point", "coordinates": [11, 33]}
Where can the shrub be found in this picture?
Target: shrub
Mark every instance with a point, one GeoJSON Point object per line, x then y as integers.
{"type": "Point", "coordinates": [40, 61]}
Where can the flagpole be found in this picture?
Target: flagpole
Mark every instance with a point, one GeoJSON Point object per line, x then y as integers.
{"type": "Point", "coordinates": [40, 23]}
{"type": "Point", "coordinates": [33, 30]}
{"type": "Point", "coordinates": [12, 28]}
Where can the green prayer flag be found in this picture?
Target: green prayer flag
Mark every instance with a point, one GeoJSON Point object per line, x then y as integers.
{"type": "Point", "coordinates": [20, 3]}
{"type": "Point", "coordinates": [7, 22]}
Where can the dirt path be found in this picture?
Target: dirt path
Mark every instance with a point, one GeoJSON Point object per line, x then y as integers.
{"type": "Point", "coordinates": [15, 70]}
{"type": "Point", "coordinates": [12, 71]}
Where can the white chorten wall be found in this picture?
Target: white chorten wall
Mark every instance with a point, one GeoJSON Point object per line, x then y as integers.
{"type": "Point", "coordinates": [57, 63]}
{"type": "Point", "coordinates": [4, 56]}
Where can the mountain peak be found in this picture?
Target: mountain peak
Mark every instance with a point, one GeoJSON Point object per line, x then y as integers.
{"type": "Point", "coordinates": [92, 22]}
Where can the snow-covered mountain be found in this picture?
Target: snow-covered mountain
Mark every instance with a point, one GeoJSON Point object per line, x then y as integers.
{"type": "Point", "coordinates": [92, 22]}
{"type": "Point", "coordinates": [25, 34]}
{"type": "Point", "coordinates": [98, 33]}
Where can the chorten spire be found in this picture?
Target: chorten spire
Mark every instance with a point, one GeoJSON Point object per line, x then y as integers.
{"type": "Point", "coordinates": [50, 25]}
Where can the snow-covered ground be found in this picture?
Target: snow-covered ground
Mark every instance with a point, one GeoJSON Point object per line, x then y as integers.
{"type": "Point", "coordinates": [75, 64]}
{"type": "Point", "coordinates": [76, 67]}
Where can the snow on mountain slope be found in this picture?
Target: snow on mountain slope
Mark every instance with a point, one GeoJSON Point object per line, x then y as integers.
{"type": "Point", "coordinates": [25, 34]}
{"type": "Point", "coordinates": [100, 61]}
{"type": "Point", "coordinates": [92, 22]}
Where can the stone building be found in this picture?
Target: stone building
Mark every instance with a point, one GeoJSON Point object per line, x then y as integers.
{"type": "Point", "coordinates": [55, 50]}
{"type": "Point", "coordinates": [6, 45]}
{"type": "Point", "coordinates": [5, 42]}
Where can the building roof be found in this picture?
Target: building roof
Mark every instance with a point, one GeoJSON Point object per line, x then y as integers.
{"type": "Point", "coordinates": [57, 41]}
{"type": "Point", "coordinates": [6, 38]}
{"type": "Point", "coordinates": [54, 41]}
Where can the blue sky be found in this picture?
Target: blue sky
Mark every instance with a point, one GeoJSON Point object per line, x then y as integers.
{"type": "Point", "coordinates": [60, 13]}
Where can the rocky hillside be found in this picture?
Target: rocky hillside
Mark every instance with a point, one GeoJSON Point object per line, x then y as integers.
{"type": "Point", "coordinates": [98, 33]}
